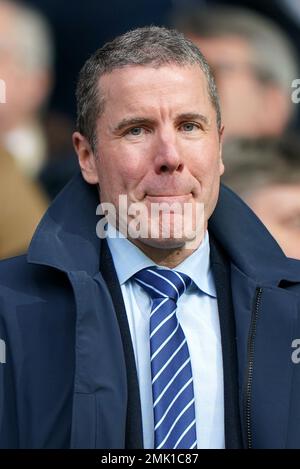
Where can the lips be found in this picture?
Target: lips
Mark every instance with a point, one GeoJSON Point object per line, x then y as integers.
{"type": "Point", "coordinates": [168, 197]}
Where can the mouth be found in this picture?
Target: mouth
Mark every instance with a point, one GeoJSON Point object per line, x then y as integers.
{"type": "Point", "coordinates": [168, 198]}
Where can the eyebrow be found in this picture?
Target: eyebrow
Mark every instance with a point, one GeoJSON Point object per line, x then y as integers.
{"type": "Point", "coordinates": [137, 121]}
{"type": "Point", "coordinates": [193, 116]}
{"type": "Point", "coordinates": [133, 121]}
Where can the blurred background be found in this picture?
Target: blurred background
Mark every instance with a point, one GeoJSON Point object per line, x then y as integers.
{"type": "Point", "coordinates": [253, 48]}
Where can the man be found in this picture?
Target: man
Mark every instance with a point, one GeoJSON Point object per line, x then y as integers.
{"type": "Point", "coordinates": [267, 178]}
{"type": "Point", "coordinates": [253, 81]}
{"type": "Point", "coordinates": [178, 341]}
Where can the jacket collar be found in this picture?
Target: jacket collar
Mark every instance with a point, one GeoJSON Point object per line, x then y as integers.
{"type": "Point", "coordinates": [66, 236]}
{"type": "Point", "coordinates": [248, 243]}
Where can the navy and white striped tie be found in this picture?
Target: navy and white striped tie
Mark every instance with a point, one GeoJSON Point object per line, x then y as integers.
{"type": "Point", "coordinates": [172, 381]}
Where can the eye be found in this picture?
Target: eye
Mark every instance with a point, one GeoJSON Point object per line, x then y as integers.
{"type": "Point", "coordinates": [189, 126]}
{"type": "Point", "coordinates": [135, 131]}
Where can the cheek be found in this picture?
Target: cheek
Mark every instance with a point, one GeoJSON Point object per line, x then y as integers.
{"type": "Point", "coordinates": [208, 166]}
{"type": "Point", "coordinates": [119, 171]}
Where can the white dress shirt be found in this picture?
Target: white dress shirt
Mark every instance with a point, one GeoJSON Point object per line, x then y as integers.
{"type": "Point", "coordinates": [197, 312]}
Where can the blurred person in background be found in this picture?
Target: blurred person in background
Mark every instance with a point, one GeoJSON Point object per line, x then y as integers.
{"type": "Point", "coordinates": [25, 68]}
{"type": "Point", "coordinates": [85, 27]}
{"type": "Point", "coordinates": [254, 65]}
{"type": "Point", "coordinates": [267, 178]}
{"type": "Point", "coordinates": [26, 57]}
{"type": "Point", "coordinates": [22, 205]}
{"type": "Point", "coordinates": [286, 13]}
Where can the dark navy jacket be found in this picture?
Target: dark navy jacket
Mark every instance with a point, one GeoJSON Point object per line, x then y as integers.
{"type": "Point", "coordinates": [70, 380]}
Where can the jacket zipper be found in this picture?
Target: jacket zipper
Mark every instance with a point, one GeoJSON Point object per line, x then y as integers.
{"type": "Point", "coordinates": [251, 339]}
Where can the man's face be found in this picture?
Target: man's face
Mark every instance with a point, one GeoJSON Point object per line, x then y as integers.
{"type": "Point", "coordinates": [158, 141]}
{"type": "Point", "coordinates": [278, 206]}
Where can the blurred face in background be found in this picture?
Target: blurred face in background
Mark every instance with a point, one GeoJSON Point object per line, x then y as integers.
{"type": "Point", "coordinates": [25, 89]}
{"type": "Point", "coordinates": [278, 206]}
{"type": "Point", "coordinates": [250, 107]}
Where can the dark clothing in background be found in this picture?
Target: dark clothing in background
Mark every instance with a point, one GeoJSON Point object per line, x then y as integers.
{"type": "Point", "coordinates": [80, 28]}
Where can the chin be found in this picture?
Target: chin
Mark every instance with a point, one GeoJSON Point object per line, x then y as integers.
{"type": "Point", "coordinates": [162, 243]}
{"type": "Point", "coordinates": [171, 243]}
{"type": "Point", "coordinates": [172, 232]}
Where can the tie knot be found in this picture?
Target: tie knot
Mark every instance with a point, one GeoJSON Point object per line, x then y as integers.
{"type": "Point", "coordinates": [163, 283]}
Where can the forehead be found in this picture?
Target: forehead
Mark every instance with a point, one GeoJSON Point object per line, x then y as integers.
{"type": "Point", "coordinates": [137, 87]}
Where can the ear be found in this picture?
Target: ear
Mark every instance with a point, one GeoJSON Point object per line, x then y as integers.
{"type": "Point", "coordinates": [86, 158]}
{"type": "Point", "coordinates": [221, 137]}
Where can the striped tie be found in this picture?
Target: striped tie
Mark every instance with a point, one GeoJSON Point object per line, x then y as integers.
{"type": "Point", "coordinates": [172, 381]}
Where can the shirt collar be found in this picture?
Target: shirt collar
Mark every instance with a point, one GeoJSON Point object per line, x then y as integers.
{"type": "Point", "coordinates": [129, 259]}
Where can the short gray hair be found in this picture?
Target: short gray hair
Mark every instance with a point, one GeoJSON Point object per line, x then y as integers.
{"type": "Point", "coordinates": [273, 54]}
{"type": "Point", "coordinates": [150, 46]}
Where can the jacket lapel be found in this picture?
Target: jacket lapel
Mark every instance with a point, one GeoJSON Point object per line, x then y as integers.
{"type": "Point", "coordinates": [100, 388]}
{"type": "Point", "coordinates": [221, 272]}
{"type": "Point", "coordinates": [134, 434]}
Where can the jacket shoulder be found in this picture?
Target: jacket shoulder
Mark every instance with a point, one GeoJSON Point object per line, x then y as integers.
{"type": "Point", "coordinates": [17, 276]}
{"type": "Point", "coordinates": [37, 330]}
{"type": "Point", "coordinates": [11, 267]}
{"type": "Point", "coordinates": [30, 292]}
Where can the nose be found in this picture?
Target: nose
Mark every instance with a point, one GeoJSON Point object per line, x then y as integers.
{"type": "Point", "coordinates": [167, 155]}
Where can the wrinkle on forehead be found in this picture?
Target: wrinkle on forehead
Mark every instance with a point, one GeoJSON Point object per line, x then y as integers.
{"type": "Point", "coordinates": [145, 91]}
